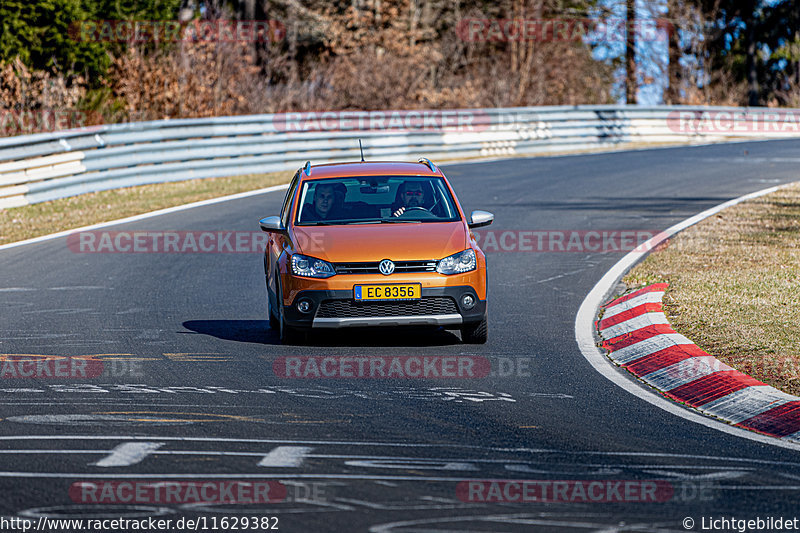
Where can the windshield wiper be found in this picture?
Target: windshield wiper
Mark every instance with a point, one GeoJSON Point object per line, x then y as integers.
{"type": "Point", "coordinates": [380, 221]}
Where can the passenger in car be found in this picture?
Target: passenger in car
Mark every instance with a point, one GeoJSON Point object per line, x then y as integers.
{"type": "Point", "coordinates": [327, 204]}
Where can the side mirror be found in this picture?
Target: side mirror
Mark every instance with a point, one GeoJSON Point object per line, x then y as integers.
{"type": "Point", "coordinates": [479, 219]}
{"type": "Point", "coordinates": [271, 225]}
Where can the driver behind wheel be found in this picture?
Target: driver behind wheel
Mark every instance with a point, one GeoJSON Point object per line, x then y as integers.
{"type": "Point", "coordinates": [410, 194]}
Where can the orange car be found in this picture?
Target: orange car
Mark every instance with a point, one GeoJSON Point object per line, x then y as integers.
{"type": "Point", "coordinates": [374, 244]}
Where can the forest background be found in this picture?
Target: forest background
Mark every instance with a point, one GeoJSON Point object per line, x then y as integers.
{"type": "Point", "coordinates": [122, 60]}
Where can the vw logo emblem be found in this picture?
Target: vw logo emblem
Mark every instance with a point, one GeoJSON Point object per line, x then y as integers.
{"type": "Point", "coordinates": [386, 267]}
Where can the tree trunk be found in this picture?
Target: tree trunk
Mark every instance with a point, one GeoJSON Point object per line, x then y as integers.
{"type": "Point", "coordinates": [672, 93]}
{"type": "Point", "coordinates": [249, 9]}
{"type": "Point", "coordinates": [752, 79]}
{"type": "Point", "coordinates": [630, 53]}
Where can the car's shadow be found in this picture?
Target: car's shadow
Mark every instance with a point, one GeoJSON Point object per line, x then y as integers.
{"type": "Point", "coordinates": [259, 332]}
{"type": "Point", "coordinates": [256, 331]}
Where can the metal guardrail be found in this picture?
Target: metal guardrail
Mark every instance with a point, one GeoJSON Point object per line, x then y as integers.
{"type": "Point", "coordinates": [46, 166]}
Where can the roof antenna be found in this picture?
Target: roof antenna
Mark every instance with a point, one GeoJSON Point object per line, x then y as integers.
{"type": "Point", "coordinates": [362, 150]}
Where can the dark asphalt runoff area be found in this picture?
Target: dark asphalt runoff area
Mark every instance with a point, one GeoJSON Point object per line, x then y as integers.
{"type": "Point", "coordinates": [189, 393]}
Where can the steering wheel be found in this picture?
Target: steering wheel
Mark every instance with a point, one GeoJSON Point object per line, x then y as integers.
{"type": "Point", "coordinates": [407, 210]}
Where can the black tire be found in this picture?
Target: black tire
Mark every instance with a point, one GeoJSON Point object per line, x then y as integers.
{"type": "Point", "coordinates": [287, 334]}
{"type": "Point", "coordinates": [290, 334]}
{"type": "Point", "coordinates": [273, 319]}
{"type": "Point", "coordinates": [476, 333]}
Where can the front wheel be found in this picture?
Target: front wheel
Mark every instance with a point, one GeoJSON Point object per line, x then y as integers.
{"type": "Point", "coordinates": [273, 316]}
{"type": "Point", "coordinates": [476, 333]}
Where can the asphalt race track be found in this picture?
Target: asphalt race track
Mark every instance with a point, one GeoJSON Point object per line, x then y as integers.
{"type": "Point", "coordinates": [189, 393]}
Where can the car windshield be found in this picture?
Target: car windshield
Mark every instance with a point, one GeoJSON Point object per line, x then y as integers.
{"type": "Point", "coordinates": [375, 199]}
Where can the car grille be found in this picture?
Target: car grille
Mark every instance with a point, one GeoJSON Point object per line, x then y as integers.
{"type": "Point", "coordinates": [434, 305]}
{"type": "Point", "coordinates": [400, 267]}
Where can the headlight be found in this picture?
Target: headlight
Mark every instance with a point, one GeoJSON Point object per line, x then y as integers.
{"type": "Point", "coordinates": [311, 267]}
{"type": "Point", "coordinates": [458, 263]}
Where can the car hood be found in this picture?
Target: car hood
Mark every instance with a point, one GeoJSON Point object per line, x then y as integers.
{"type": "Point", "coordinates": [364, 243]}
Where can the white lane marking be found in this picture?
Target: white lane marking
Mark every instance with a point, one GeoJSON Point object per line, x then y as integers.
{"type": "Point", "coordinates": [693, 456]}
{"type": "Point", "coordinates": [285, 457]}
{"type": "Point", "coordinates": [45, 452]}
{"type": "Point", "coordinates": [445, 394]}
{"type": "Point", "coordinates": [474, 460]}
{"type": "Point", "coordinates": [647, 347]}
{"type": "Point", "coordinates": [304, 507]}
{"type": "Point", "coordinates": [95, 511]}
{"type": "Point", "coordinates": [469, 463]}
{"type": "Point", "coordinates": [288, 461]}
{"type": "Point", "coordinates": [439, 503]}
{"type": "Point", "coordinates": [394, 444]}
{"type": "Point", "coordinates": [284, 476]}
{"type": "Point", "coordinates": [746, 403]}
{"type": "Point", "coordinates": [414, 464]}
{"type": "Point", "coordinates": [277, 475]}
{"type": "Point", "coordinates": [646, 298]}
{"type": "Point", "coordinates": [144, 216]}
{"type": "Point", "coordinates": [637, 322]}
{"type": "Point", "coordinates": [600, 471]}
{"type": "Point", "coordinates": [262, 441]}
{"type": "Point", "coordinates": [128, 453]}
{"type": "Point", "coordinates": [79, 288]}
{"type": "Point", "coordinates": [601, 292]}
{"type": "Point", "coordinates": [129, 404]}
{"type": "Point", "coordinates": [728, 474]}
{"type": "Point", "coordinates": [556, 523]}
{"type": "Point", "coordinates": [684, 372]}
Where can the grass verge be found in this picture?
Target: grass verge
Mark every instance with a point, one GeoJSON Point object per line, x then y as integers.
{"type": "Point", "coordinates": [734, 286]}
{"type": "Point", "coordinates": [34, 220]}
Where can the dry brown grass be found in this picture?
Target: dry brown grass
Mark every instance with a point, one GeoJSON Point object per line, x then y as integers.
{"type": "Point", "coordinates": [733, 286]}
{"type": "Point", "coordinates": [68, 213]}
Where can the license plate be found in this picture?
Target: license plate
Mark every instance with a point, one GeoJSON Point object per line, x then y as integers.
{"type": "Point", "coordinates": [408, 291]}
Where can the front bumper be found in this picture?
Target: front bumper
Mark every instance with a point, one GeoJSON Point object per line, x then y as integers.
{"type": "Point", "coordinates": [439, 306]}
